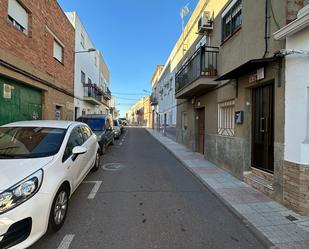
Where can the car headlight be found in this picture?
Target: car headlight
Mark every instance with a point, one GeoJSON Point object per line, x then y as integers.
{"type": "Point", "coordinates": [20, 192]}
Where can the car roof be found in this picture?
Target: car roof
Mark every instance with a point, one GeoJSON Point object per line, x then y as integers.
{"type": "Point", "coordinates": [43, 123]}
{"type": "Point", "coordinates": [97, 116]}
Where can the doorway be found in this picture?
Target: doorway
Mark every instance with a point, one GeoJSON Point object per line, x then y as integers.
{"type": "Point", "coordinates": [200, 116]}
{"type": "Point", "coordinates": [263, 128]}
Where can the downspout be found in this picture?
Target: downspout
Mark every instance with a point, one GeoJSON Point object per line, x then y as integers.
{"type": "Point", "coordinates": [266, 35]}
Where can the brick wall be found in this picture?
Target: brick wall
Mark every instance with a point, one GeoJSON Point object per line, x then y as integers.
{"type": "Point", "coordinates": [36, 48]}
{"type": "Point", "coordinates": [296, 187]}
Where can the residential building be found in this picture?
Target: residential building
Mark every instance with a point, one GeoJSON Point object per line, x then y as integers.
{"type": "Point", "coordinates": [230, 88]}
{"type": "Point", "coordinates": [91, 78]}
{"type": "Point", "coordinates": [296, 115]}
{"type": "Point", "coordinates": [154, 96]}
{"type": "Point", "coordinates": [104, 84]}
{"type": "Point", "coordinates": [140, 113]}
{"type": "Point", "coordinates": [36, 61]}
{"type": "Point", "coordinates": [166, 96]}
{"type": "Point", "coordinates": [112, 107]}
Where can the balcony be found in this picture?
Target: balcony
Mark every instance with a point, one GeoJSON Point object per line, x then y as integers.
{"type": "Point", "coordinates": [153, 100]}
{"type": "Point", "coordinates": [107, 95]}
{"type": "Point", "coordinates": [198, 73]}
{"type": "Point", "coordinates": [92, 94]}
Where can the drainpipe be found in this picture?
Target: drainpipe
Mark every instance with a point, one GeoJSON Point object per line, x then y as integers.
{"type": "Point", "coordinates": [266, 37]}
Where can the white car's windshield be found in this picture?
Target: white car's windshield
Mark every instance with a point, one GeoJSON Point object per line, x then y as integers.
{"type": "Point", "coordinates": [30, 142]}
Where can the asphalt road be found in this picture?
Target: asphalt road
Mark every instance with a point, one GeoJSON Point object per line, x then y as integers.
{"type": "Point", "coordinates": [150, 201]}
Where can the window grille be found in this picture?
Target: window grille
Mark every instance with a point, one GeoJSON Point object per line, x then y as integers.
{"type": "Point", "coordinates": [226, 122]}
{"type": "Point", "coordinates": [232, 20]}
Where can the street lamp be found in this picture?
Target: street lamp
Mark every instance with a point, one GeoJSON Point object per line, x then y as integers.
{"type": "Point", "coordinates": [86, 51]}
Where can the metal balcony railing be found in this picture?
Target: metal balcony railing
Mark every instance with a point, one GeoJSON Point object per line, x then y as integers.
{"type": "Point", "coordinates": [153, 99]}
{"type": "Point", "coordinates": [203, 63]}
{"type": "Point", "coordinates": [92, 91]}
{"type": "Point", "coordinates": [107, 94]}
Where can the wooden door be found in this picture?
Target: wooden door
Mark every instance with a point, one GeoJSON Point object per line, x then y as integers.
{"type": "Point", "coordinates": [200, 130]}
{"type": "Point", "coordinates": [263, 128]}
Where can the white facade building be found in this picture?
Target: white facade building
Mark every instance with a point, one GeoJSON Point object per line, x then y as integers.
{"type": "Point", "coordinates": [297, 88]}
{"type": "Point", "coordinates": [89, 81]}
{"type": "Point", "coordinates": [166, 96]}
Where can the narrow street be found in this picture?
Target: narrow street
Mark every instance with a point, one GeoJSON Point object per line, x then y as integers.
{"type": "Point", "coordinates": [148, 201]}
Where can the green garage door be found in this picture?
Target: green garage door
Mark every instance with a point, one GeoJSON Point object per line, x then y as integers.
{"type": "Point", "coordinates": [19, 102]}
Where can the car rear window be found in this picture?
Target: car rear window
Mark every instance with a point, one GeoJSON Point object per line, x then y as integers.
{"type": "Point", "coordinates": [96, 124]}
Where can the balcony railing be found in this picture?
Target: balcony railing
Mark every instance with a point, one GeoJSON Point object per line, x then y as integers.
{"type": "Point", "coordinates": [107, 95]}
{"type": "Point", "coordinates": [203, 63]}
{"type": "Point", "coordinates": [153, 100]}
{"type": "Point", "coordinates": [92, 93]}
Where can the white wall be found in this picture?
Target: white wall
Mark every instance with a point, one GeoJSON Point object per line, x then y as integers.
{"type": "Point", "coordinates": [296, 102]}
{"type": "Point", "coordinates": [84, 62]}
{"type": "Point", "coordinates": [167, 101]}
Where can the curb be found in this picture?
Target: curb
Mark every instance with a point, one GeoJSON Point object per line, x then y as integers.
{"type": "Point", "coordinates": [265, 241]}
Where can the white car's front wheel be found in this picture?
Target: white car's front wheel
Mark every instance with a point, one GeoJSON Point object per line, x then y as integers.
{"type": "Point", "coordinates": [59, 209]}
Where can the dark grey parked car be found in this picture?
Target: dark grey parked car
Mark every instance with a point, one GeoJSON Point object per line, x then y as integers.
{"type": "Point", "coordinates": [102, 126]}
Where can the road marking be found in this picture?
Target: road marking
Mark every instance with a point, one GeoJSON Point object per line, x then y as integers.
{"type": "Point", "coordinates": [95, 189]}
{"type": "Point", "coordinates": [66, 242]}
{"type": "Point", "coordinates": [113, 166]}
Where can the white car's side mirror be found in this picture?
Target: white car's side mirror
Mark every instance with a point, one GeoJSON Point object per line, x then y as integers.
{"type": "Point", "coordinates": [78, 150]}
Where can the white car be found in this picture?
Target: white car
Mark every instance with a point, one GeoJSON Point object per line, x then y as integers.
{"type": "Point", "coordinates": [41, 165]}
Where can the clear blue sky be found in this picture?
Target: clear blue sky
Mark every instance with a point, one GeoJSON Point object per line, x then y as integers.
{"type": "Point", "coordinates": [134, 36]}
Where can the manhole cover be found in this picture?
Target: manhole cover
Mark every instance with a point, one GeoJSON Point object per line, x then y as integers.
{"type": "Point", "coordinates": [113, 166]}
{"type": "Point", "coordinates": [291, 218]}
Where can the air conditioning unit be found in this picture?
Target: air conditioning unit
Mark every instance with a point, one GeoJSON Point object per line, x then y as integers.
{"type": "Point", "coordinates": [205, 22]}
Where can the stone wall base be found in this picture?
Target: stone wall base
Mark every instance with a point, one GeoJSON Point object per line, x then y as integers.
{"type": "Point", "coordinates": [296, 187]}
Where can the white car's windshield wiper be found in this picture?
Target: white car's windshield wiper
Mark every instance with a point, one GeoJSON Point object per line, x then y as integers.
{"type": "Point", "coordinates": [12, 156]}
{"type": "Point", "coordinates": [9, 147]}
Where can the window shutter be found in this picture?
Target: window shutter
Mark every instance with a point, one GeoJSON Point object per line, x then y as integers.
{"type": "Point", "coordinates": [58, 51]}
{"type": "Point", "coordinates": [18, 13]}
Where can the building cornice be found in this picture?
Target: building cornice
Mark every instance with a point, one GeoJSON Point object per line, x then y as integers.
{"type": "Point", "coordinates": [293, 27]}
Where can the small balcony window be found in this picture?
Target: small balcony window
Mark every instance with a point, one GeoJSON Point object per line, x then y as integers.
{"type": "Point", "coordinates": [82, 40]}
{"type": "Point", "coordinates": [18, 16]}
{"type": "Point", "coordinates": [231, 19]}
{"type": "Point", "coordinates": [83, 77]}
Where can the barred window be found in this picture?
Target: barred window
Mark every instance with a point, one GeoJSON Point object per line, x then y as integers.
{"type": "Point", "coordinates": [226, 123]}
{"type": "Point", "coordinates": [231, 19]}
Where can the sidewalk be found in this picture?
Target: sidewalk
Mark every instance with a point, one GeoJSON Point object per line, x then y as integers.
{"type": "Point", "coordinates": [269, 220]}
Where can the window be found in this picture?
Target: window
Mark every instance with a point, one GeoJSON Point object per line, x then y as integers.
{"type": "Point", "coordinates": [83, 77]}
{"type": "Point", "coordinates": [75, 139]}
{"type": "Point", "coordinates": [18, 16]}
{"type": "Point", "coordinates": [95, 61]}
{"type": "Point", "coordinates": [226, 123]}
{"type": "Point", "coordinates": [231, 19]}
{"type": "Point", "coordinates": [89, 81]}
{"type": "Point", "coordinates": [86, 132]}
{"type": "Point", "coordinates": [82, 40]}
{"type": "Point", "coordinates": [58, 51]}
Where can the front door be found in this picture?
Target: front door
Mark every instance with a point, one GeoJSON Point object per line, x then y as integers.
{"type": "Point", "coordinates": [263, 128]}
{"type": "Point", "coordinates": [200, 130]}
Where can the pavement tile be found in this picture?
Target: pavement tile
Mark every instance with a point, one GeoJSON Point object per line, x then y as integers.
{"type": "Point", "coordinates": [268, 216]}
{"type": "Point", "coordinates": [294, 245]}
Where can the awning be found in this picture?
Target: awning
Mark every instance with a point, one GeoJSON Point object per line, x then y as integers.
{"type": "Point", "coordinates": [248, 67]}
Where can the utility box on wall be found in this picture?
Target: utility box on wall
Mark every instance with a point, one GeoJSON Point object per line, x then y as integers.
{"type": "Point", "coordinates": [239, 117]}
